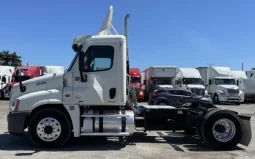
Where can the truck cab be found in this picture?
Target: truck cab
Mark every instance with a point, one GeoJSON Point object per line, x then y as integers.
{"type": "Point", "coordinates": [136, 81]}
{"type": "Point", "coordinates": [190, 79]}
{"type": "Point", "coordinates": [5, 78]}
{"type": "Point", "coordinates": [221, 85]}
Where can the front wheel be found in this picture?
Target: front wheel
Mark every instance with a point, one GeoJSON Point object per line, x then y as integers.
{"type": "Point", "coordinates": [49, 128]}
{"type": "Point", "coordinates": [215, 99]}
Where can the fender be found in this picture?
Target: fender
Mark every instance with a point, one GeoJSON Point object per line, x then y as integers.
{"type": "Point", "coordinates": [30, 101]}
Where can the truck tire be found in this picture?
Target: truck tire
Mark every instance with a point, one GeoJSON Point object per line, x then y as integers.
{"type": "Point", "coordinates": [237, 103]}
{"type": "Point", "coordinates": [219, 123]}
{"type": "Point", "coordinates": [49, 128]}
{"type": "Point", "coordinates": [1, 95]}
{"type": "Point", "coordinates": [215, 99]}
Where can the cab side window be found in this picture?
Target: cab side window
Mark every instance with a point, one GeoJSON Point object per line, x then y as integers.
{"type": "Point", "coordinates": [99, 58]}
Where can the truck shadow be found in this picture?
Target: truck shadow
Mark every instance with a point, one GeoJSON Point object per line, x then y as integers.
{"type": "Point", "coordinates": [178, 141]}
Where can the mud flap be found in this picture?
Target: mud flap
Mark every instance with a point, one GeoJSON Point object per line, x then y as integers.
{"type": "Point", "coordinates": [246, 138]}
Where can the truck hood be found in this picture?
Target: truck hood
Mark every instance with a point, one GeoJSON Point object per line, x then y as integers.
{"type": "Point", "coordinates": [195, 86]}
{"type": "Point", "coordinates": [46, 82]}
{"type": "Point", "coordinates": [229, 86]}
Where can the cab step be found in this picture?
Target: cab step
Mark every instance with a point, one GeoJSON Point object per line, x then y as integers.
{"type": "Point", "coordinates": [140, 129]}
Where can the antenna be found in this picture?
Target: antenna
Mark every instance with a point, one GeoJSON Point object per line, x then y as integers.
{"type": "Point", "coordinates": [107, 24]}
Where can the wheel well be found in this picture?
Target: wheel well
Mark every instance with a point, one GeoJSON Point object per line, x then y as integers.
{"type": "Point", "coordinates": [55, 106]}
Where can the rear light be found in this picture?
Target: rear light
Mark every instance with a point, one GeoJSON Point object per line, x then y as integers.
{"type": "Point", "coordinates": [155, 95]}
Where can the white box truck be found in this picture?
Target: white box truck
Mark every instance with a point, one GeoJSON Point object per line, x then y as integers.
{"type": "Point", "coordinates": [247, 85]}
{"type": "Point", "coordinates": [5, 78]}
{"type": "Point", "coordinates": [158, 77]}
{"type": "Point", "coordinates": [220, 85]}
{"type": "Point", "coordinates": [87, 101]}
{"type": "Point", "coordinates": [189, 79]}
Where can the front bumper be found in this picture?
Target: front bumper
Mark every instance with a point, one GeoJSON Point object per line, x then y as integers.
{"type": "Point", "coordinates": [16, 122]}
{"type": "Point", "coordinates": [230, 99]}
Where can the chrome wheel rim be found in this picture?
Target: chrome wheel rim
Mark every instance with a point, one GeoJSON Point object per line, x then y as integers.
{"type": "Point", "coordinates": [48, 129]}
{"type": "Point", "coordinates": [224, 130]}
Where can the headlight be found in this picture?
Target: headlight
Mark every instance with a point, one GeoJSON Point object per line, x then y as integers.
{"type": "Point", "coordinates": [241, 92]}
{"type": "Point", "coordinates": [222, 93]}
{"type": "Point", "coordinates": [140, 93]}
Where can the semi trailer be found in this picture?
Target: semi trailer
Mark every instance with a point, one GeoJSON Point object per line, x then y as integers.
{"type": "Point", "coordinates": [221, 85]}
{"type": "Point", "coordinates": [89, 101]}
{"type": "Point", "coordinates": [189, 79]}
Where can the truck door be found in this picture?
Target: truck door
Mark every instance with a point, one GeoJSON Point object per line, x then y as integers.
{"type": "Point", "coordinates": [97, 83]}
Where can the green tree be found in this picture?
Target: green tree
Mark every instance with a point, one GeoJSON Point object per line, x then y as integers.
{"type": "Point", "coordinates": [10, 59]}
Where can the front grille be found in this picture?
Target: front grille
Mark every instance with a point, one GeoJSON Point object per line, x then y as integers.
{"type": "Point", "coordinates": [233, 92]}
{"type": "Point", "coordinates": [198, 91]}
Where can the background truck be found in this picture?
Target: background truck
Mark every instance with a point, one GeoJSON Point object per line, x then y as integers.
{"type": "Point", "coordinates": [136, 81]}
{"type": "Point", "coordinates": [90, 101]}
{"type": "Point", "coordinates": [247, 85]}
{"type": "Point", "coordinates": [220, 85]}
{"type": "Point", "coordinates": [5, 78]}
{"type": "Point", "coordinates": [158, 77]}
{"type": "Point", "coordinates": [189, 79]}
{"type": "Point", "coordinates": [29, 72]}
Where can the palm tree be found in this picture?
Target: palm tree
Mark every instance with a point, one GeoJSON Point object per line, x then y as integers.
{"type": "Point", "coordinates": [15, 59]}
{"type": "Point", "coordinates": [10, 59]}
{"type": "Point", "coordinates": [5, 57]}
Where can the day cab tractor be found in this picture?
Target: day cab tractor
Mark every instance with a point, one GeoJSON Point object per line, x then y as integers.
{"type": "Point", "coordinates": [93, 98]}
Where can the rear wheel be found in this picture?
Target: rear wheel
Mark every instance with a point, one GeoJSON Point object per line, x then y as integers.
{"type": "Point", "coordinates": [49, 128]}
{"type": "Point", "coordinates": [221, 130]}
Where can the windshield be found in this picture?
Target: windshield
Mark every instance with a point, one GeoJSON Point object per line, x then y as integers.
{"type": "Point", "coordinates": [225, 82]}
{"type": "Point", "coordinates": [163, 81]}
{"type": "Point", "coordinates": [192, 81]}
{"type": "Point", "coordinates": [23, 78]}
{"type": "Point", "coordinates": [135, 80]}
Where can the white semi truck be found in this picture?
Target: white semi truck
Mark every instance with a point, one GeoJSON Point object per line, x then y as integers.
{"type": "Point", "coordinates": [220, 85]}
{"type": "Point", "coordinates": [158, 77]}
{"type": "Point", "coordinates": [247, 85]}
{"type": "Point", "coordinates": [189, 79]}
{"type": "Point", "coordinates": [5, 78]}
{"type": "Point", "coordinates": [86, 101]}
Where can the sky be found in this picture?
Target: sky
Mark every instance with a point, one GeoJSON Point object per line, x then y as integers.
{"type": "Point", "coordinates": [181, 33]}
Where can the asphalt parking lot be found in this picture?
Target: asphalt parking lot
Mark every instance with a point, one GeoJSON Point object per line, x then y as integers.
{"type": "Point", "coordinates": [144, 145]}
